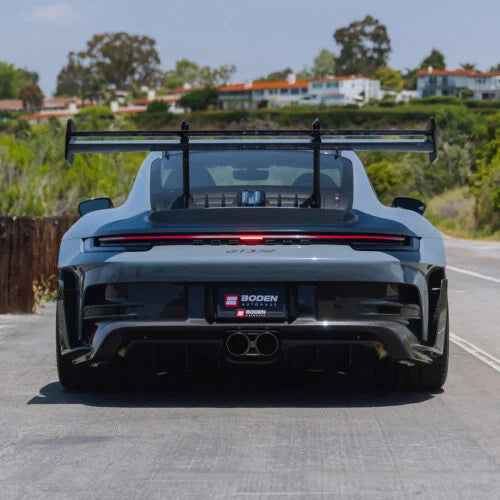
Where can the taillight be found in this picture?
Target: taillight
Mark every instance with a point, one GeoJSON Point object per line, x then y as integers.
{"type": "Point", "coordinates": [361, 240]}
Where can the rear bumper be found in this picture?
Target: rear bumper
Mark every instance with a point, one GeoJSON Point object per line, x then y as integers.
{"type": "Point", "coordinates": [333, 294]}
{"type": "Point", "coordinates": [395, 339]}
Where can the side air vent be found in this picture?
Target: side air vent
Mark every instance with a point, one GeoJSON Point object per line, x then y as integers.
{"type": "Point", "coordinates": [68, 297]}
{"type": "Point", "coordinates": [434, 281]}
{"type": "Point", "coordinates": [371, 300]}
{"type": "Point", "coordinates": [132, 301]}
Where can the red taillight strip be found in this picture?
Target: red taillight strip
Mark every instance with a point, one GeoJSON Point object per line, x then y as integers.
{"type": "Point", "coordinates": [249, 238]}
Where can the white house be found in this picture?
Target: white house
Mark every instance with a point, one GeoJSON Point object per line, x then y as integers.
{"type": "Point", "coordinates": [483, 85]}
{"type": "Point", "coordinates": [342, 90]}
{"type": "Point", "coordinates": [252, 95]}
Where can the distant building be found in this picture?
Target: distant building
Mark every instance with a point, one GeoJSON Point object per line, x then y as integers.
{"type": "Point", "coordinates": [406, 95]}
{"type": "Point", "coordinates": [352, 89]}
{"type": "Point", "coordinates": [451, 82]}
{"type": "Point", "coordinates": [252, 95]}
{"type": "Point", "coordinates": [11, 105]}
{"type": "Point", "coordinates": [171, 99]}
{"type": "Point", "coordinates": [59, 107]}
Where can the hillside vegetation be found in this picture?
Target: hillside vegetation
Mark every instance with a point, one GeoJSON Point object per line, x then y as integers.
{"type": "Point", "coordinates": [462, 187]}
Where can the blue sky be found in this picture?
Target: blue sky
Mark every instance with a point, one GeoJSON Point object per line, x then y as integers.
{"type": "Point", "coordinates": [258, 36]}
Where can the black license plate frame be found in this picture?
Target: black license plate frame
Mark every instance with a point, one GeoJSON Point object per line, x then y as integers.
{"type": "Point", "coordinates": [252, 302]}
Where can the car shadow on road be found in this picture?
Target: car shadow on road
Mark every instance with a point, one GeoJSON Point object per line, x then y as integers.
{"type": "Point", "coordinates": [247, 391]}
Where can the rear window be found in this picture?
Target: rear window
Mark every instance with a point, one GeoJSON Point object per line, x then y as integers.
{"type": "Point", "coordinates": [250, 168]}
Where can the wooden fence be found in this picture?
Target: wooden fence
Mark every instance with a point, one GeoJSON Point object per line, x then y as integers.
{"type": "Point", "coordinates": [29, 248]}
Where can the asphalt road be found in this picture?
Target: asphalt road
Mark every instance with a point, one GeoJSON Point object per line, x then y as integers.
{"type": "Point", "coordinates": [258, 438]}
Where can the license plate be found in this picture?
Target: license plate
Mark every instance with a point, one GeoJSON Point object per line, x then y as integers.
{"type": "Point", "coordinates": [245, 303]}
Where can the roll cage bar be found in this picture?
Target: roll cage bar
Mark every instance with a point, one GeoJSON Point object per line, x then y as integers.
{"type": "Point", "coordinates": [316, 139]}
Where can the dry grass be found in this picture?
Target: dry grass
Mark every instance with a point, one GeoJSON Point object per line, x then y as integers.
{"type": "Point", "coordinates": [452, 212]}
{"type": "Point", "coordinates": [43, 291]}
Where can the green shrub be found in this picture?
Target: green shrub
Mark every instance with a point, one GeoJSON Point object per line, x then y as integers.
{"type": "Point", "coordinates": [485, 178]}
{"type": "Point", "coordinates": [491, 105]}
{"type": "Point", "coordinates": [437, 99]}
{"type": "Point", "coordinates": [94, 118]}
{"type": "Point", "coordinates": [200, 100]}
{"type": "Point", "coordinates": [35, 179]}
{"type": "Point", "coordinates": [155, 120]}
{"type": "Point", "coordinates": [387, 179]}
{"type": "Point", "coordinates": [157, 107]}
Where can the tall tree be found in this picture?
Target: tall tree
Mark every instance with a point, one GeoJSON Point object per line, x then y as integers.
{"type": "Point", "coordinates": [119, 59]}
{"type": "Point", "coordinates": [185, 71]}
{"type": "Point", "coordinates": [27, 76]}
{"type": "Point", "coordinates": [73, 78]}
{"type": "Point", "coordinates": [32, 97]}
{"type": "Point", "coordinates": [214, 77]}
{"type": "Point", "coordinates": [323, 64]}
{"type": "Point", "coordinates": [13, 79]}
{"type": "Point", "coordinates": [495, 68]}
{"type": "Point", "coordinates": [390, 79]}
{"type": "Point", "coordinates": [78, 79]}
{"type": "Point", "coordinates": [365, 46]}
{"type": "Point", "coordinates": [190, 72]}
{"type": "Point", "coordinates": [410, 79]}
{"type": "Point", "coordinates": [435, 59]}
{"type": "Point", "coordinates": [276, 75]}
{"type": "Point", "coordinates": [305, 73]}
{"type": "Point", "coordinates": [467, 65]}
{"type": "Point", "coordinates": [8, 81]}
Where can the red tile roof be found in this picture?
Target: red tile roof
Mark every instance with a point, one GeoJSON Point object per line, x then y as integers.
{"type": "Point", "coordinates": [281, 84]}
{"type": "Point", "coordinates": [456, 72]}
{"type": "Point", "coordinates": [11, 104]}
{"type": "Point", "coordinates": [337, 78]}
{"type": "Point", "coordinates": [60, 102]}
{"type": "Point", "coordinates": [184, 90]}
{"type": "Point", "coordinates": [56, 114]}
{"type": "Point", "coordinates": [146, 101]}
{"type": "Point", "coordinates": [131, 111]}
{"type": "Point", "coordinates": [63, 114]}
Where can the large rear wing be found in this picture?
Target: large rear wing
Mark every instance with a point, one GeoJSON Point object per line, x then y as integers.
{"type": "Point", "coordinates": [315, 139]}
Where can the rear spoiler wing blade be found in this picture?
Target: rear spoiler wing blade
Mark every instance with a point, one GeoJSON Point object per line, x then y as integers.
{"type": "Point", "coordinates": [315, 139]}
{"type": "Point", "coordinates": [209, 140]}
{"type": "Point", "coordinates": [128, 146]}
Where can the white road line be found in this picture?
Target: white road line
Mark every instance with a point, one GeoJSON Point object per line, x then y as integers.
{"type": "Point", "coordinates": [472, 273]}
{"type": "Point", "coordinates": [476, 351]}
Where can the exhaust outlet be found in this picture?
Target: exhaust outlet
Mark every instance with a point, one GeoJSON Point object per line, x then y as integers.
{"type": "Point", "coordinates": [266, 344]}
{"type": "Point", "coordinates": [238, 344]}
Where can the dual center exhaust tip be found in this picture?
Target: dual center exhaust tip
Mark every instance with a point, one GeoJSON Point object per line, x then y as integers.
{"type": "Point", "coordinates": [252, 344]}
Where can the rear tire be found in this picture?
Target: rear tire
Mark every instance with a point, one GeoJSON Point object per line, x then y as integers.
{"type": "Point", "coordinates": [72, 377]}
{"type": "Point", "coordinates": [422, 377]}
{"type": "Point", "coordinates": [433, 376]}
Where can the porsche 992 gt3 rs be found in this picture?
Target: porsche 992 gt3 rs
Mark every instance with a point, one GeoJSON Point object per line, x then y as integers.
{"type": "Point", "coordinates": [252, 247]}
